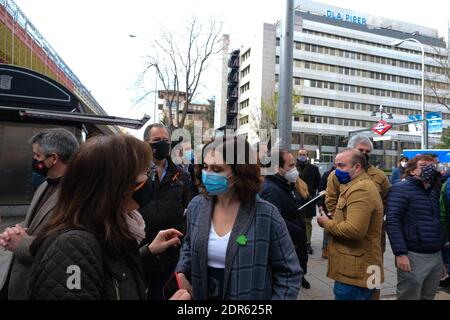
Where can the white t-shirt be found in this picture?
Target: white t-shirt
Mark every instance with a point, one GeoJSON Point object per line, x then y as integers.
{"type": "Point", "coordinates": [217, 248]}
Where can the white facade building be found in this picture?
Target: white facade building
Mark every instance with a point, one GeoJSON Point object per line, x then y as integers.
{"type": "Point", "coordinates": [344, 69]}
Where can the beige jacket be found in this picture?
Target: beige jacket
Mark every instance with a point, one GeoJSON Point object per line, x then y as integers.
{"type": "Point", "coordinates": [21, 266]}
{"type": "Point", "coordinates": [376, 175]}
{"type": "Point", "coordinates": [355, 247]}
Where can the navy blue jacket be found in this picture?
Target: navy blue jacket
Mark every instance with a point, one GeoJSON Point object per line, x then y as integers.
{"type": "Point", "coordinates": [412, 218]}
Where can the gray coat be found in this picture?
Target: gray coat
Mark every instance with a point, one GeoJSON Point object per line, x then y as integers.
{"type": "Point", "coordinates": [21, 265]}
{"type": "Point", "coordinates": [265, 268]}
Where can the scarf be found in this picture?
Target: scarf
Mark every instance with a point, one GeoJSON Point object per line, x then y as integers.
{"type": "Point", "coordinates": [136, 225]}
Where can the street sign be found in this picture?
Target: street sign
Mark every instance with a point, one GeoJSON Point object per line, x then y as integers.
{"type": "Point", "coordinates": [381, 127]}
{"type": "Point", "coordinates": [382, 138]}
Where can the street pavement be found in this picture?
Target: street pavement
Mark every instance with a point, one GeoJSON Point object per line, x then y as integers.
{"type": "Point", "coordinates": [322, 287]}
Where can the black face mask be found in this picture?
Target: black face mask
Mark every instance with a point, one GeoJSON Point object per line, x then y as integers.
{"type": "Point", "coordinates": [428, 173]}
{"type": "Point", "coordinates": [39, 167]}
{"type": "Point", "coordinates": [144, 195]}
{"type": "Point", "coordinates": [161, 149]}
{"type": "Point", "coordinates": [367, 157]}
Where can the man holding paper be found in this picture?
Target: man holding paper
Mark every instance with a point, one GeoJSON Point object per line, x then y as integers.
{"type": "Point", "coordinates": [355, 257]}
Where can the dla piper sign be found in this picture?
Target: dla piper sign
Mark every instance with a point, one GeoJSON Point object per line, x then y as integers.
{"type": "Point", "coordinates": [346, 17]}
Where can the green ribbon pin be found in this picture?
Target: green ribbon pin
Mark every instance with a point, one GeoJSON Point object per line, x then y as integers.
{"type": "Point", "coordinates": [242, 240]}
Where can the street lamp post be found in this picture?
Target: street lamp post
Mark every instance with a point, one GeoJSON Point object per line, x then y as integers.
{"type": "Point", "coordinates": [374, 113]}
{"type": "Point", "coordinates": [424, 140]}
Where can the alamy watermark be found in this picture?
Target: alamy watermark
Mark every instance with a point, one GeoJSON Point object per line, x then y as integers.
{"type": "Point", "coordinates": [259, 143]}
{"type": "Point", "coordinates": [74, 279]}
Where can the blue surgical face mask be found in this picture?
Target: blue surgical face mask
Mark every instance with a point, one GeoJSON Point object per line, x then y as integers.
{"type": "Point", "coordinates": [343, 176]}
{"type": "Point", "coordinates": [215, 183]}
{"type": "Point", "coordinates": [188, 156]}
{"type": "Point", "coordinates": [302, 158]}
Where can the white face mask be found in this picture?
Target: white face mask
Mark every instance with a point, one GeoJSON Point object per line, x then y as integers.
{"type": "Point", "coordinates": [404, 164]}
{"type": "Point", "coordinates": [292, 175]}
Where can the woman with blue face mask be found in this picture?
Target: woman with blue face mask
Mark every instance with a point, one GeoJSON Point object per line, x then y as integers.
{"type": "Point", "coordinates": [232, 232]}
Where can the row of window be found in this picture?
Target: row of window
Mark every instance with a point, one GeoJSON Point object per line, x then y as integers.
{"type": "Point", "coordinates": [243, 120]}
{"type": "Point", "coordinates": [361, 106]}
{"type": "Point", "coordinates": [245, 71]}
{"type": "Point", "coordinates": [369, 43]}
{"type": "Point", "coordinates": [341, 122]}
{"type": "Point", "coordinates": [365, 90]}
{"type": "Point", "coordinates": [245, 87]}
{"type": "Point", "coordinates": [245, 56]}
{"type": "Point", "coordinates": [244, 104]}
{"type": "Point", "coordinates": [385, 93]}
{"type": "Point", "coordinates": [342, 141]}
{"type": "Point", "coordinates": [365, 57]}
{"type": "Point", "coordinates": [357, 72]}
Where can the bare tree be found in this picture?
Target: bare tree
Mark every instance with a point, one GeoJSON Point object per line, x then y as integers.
{"type": "Point", "coordinates": [267, 117]}
{"type": "Point", "coordinates": [180, 63]}
{"type": "Point", "coordinates": [438, 83]}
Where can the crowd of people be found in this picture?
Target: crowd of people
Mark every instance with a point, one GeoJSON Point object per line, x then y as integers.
{"type": "Point", "coordinates": [116, 218]}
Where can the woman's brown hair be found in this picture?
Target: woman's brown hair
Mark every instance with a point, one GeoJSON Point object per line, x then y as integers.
{"type": "Point", "coordinates": [99, 178]}
{"type": "Point", "coordinates": [412, 164]}
{"type": "Point", "coordinates": [236, 152]}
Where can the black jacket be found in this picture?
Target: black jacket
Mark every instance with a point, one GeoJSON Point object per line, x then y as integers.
{"type": "Point", "coordinates": [71, 253]}
{"type": "Point", "coordinates": [282, 195]}
{"type": "Point", "coordinates": [311, 175]}
{"type": "Point", "coordinates": [166, 210]}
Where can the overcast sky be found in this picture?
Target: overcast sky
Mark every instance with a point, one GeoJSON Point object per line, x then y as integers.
{"type": "Point", "coordinates": [92, 36]}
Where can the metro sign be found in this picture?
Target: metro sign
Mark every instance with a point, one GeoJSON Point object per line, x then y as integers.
{"type": "Point", "coordinates": [381, 127]}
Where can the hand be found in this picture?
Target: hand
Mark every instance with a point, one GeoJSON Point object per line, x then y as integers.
{"type": "Point", "coordinates": [321, 219]}
{"type": "Point", "coordinates": [165, 239]}
{"type": "Point", "coordinates": [11, 237]}
{"type": "Point", "coordinates": [403, 263]}
{"type": "Point", "coordinates": [181, 295]}
{"type": "Point", "coordinates": [184, 282]}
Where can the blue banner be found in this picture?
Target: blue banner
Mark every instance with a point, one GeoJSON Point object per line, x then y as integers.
{"type": "Point", "coordinates": [442, 154]}
{"type": "Point", "coordinates": [434, 120]}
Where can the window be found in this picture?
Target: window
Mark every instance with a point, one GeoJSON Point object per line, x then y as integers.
{"type": "Point", "coordinates": [343, 141]}
{"type": "Point", "coordinates": [311, 140]}
{"type": "Point", "coordinates": [328, 140]}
